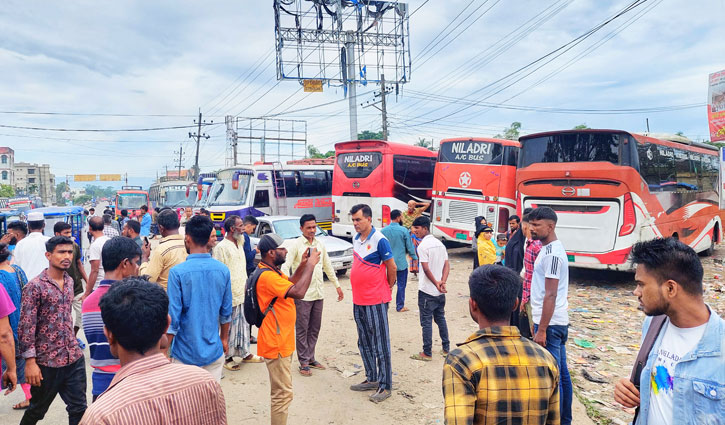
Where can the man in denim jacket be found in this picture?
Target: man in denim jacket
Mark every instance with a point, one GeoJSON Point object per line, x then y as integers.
{"type": "Point", "coordinates": [683, 381]}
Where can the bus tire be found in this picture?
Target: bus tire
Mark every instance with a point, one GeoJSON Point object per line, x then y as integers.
{"type": "Point", "coordinates": [711, 250]}
{"type": "Point", "coordinates": [341, 272]}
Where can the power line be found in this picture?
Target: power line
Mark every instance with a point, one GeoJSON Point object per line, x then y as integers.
{"type": "Point", "coordinates": [95, 130]}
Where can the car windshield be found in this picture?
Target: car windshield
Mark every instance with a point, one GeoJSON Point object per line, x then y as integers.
{"type": "Point", "coordinates": [223, 194]}
{"type": "Point", "coordinates": [290, 229]}
{"type": "Point", "coordinates": [131, 200]}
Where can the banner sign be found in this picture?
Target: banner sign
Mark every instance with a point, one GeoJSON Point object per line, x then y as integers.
{"type": "Point", "coordinates": [716, 106]}
{"type": "Point", "coordinates": [312, 86]}
{"type": "Point", "coordinates": [84, 177]}
{"type": "Point", "coordinates": [109, 177]}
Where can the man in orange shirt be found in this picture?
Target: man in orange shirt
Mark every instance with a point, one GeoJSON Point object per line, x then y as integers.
{"type": "Point", "coordinates": [276, 339]}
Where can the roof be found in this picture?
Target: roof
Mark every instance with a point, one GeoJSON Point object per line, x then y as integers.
{"type": "Point", "coordinates": [504, 142]}
{"type": "Point", "coordinates": [55, 211]}
{"type": "Point", "coordinates": [384, 145]}
{"type": "Point", "coordinates": [5, 149]}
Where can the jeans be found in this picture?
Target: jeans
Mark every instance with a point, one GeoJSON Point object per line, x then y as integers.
{"type": "Point", "coordinates": [556, 336]}
{"type": "Point", "coordinates": [433, 308]}
{"type": "Point", "coordinates": [69, 382]}
{"type": "Point", "coordinates": [402, 277]}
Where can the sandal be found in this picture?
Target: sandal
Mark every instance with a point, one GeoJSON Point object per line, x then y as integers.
{"type": "Point", "coordinates": [421, 357]}
{"type": "Point", "coordinates": [233, 366]}
{"type": "Point", "coordinates": [305, 371]}
{"type": "Point", "coordinates": [22, 405]}
{"type": "Point", "coordinates": [317, 365]}
{"type": "Point", "coordinates": [253, 359]}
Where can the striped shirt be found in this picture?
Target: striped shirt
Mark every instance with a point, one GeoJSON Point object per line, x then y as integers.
{"type": "Point", "coordinates": [368, 276]}
{"type": "Point", "coordinates": [530, 253]}
{"type": "Point", "coordinates": [104, 364]}
{"type": "Point", "coordinates": [153, 391]}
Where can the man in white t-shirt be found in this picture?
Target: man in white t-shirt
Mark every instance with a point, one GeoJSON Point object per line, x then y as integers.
{"type": "Point", "coordinates": [30, 252]}
{"type": "Point", "coordinates": [683, 379]}
{"type": "Point", "coordinates": [549, 304]}
{"type": "Point", "coordinates": [434, 266]}
{"type": "Point", "coordinates": [95, 225]}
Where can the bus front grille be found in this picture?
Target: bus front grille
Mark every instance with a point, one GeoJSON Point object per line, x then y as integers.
{"type": "Point", "coordinates": [462, 212]}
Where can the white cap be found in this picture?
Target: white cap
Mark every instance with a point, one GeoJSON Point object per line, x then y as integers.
{"type": "Point", "coordinates": [35, 216]}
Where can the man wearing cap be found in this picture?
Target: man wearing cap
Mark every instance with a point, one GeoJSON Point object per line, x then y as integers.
{"type": "Point", "coordinates": [276, 341]}
{"type": "Point", "coordinates": [30, 252]}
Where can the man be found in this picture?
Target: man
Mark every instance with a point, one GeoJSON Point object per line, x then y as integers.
{"type": "Point", "coordinates": [147, 389]}
{"type": "Point", "coordinates": [514, 222]}
{"type": "Point", "coordinates": [415, 210]}
{"type": "Point", "coordinates": [401, 244]}
{"type": "Point", "coordinates": [120, 260]}
{"type": "Point", "coordinates": [200, 302]}
{"type": "Point", "coordinates": [309, 308]}
{"type": "Point", "coordinates": [76, 271]}
{"type": "Point", "coordinates": [549, 304]}
{"type": "Point", "coordinates": [431, 288]}
{"type": "Point", "coordinates": [17, 230]}
{"type": "Point", "coordinates": [204, 212]}
{"type": "Point", "coordinates": [531, 252]}
{"type": "Point", "coordinates": [514, 252]}
{"type": "Point", "coordinates": [372, 278]}
{"type": "Point", "coordinates": [683, 379]}
{"type": "Point", "coordinates": [250, 225]}
{"type": "Point", "coordinates": [91, 213]}
{"type": "Point", "coordinates": [230, 251]}
{"type": "Point", "coordinates": [131, 230]}
{"type": "Point", "coordinates": [109, 226]}
{"type": "Point", "coordinates": [188, 213]}
{"type": "Point", "coordinates": [497, 376]}
{"type": "Point", "coordinates": [123, 219]}
{"type": "Point", "coordinates": [276, 335]}
{"type": "Point", "coordinates": [170, 251]}
{"type": "Point", "coordinates": [145, 221]}
{"type": "Point", "coordinates": [29, 253]}
{"type": "Point", "coordinates": [94, 255]}
{"type": "Point", "coordinates": [53, 360]}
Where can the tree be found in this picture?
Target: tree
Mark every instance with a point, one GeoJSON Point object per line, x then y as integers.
{"type": "Point", "coordinates": [315, 153]}
{"type": "Point", "coordinates": [370, 135]}
{"type": "Point", "coordinates": [510, 133]}
{"type": "Point", "coordinates": [581, 127]}
{"type": "Point", "coordinates": [6, 191]}
{"type": "Point", "coordinates": [59, 189]}
{"type": "Point", "coordinates": [680, 133]}
{"type": "Point", "coordinates": [82, 199]}
{"type": "Point", "coordinates": [33, 189]}
{"type": "Point", "coordinates": [423, 143]}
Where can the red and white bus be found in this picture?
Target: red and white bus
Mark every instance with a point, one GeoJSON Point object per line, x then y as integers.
{"type": "Point", "coordinates": [611, 189]}
{"type": "Point", "coordinates": [473, 177]}
{"type": "Point", "coordinates": [381, 174]}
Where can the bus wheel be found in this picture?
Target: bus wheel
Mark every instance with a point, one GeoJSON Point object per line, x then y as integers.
{"type": "Point", "coordinates": [711, 250]}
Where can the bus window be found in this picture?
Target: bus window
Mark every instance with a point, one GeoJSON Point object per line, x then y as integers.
{"type": "Point", "coordinates": [261, 199]}
{"type": "Point", "coordinates": [413, 172]}
{"type": "Point", "coordinates": [314, 183]}
{"type": "Point", "coordinates": [657, 167]}
{"type": "Point", "coordinates": [290, 179]}
{"type": "Point", "coordinates": [473, 152]}
{"type": "Point", "coordinates": [686, 173]}
{"type": "Point", "coordinates": [359, 165]}
{"type": "Point", "coordinates": [709, 172]}
{"type": "Point", "coordinates": [574, 147]}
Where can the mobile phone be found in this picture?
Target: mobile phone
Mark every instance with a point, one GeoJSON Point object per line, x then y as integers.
{"type": "Point", "coordinates": [309, 251]}
{"type": "Point", "coordinates": [146, 240]}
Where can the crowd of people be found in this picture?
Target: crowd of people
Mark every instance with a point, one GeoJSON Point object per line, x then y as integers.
{"type": "Point", "coordinates": [159, 344]}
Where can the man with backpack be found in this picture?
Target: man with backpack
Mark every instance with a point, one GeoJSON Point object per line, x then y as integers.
{"type": "Point", "coordinates": [270, 305]}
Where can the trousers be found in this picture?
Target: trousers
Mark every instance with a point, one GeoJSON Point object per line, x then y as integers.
{"type": "Point", "coordinates": [556, 336]}
{"type": "Point", "coordinates": [433, 308]}
{"type": "Point", "coordinates": [402, 282]}
{"type": "Point", "coordinates": [280, 382]}
{"type": "Point", "coordinates": [69, 382]}
{"type": "Point", "coordinates": [373, 341]}
{"type": "Point", "coordinates": [307, 329]}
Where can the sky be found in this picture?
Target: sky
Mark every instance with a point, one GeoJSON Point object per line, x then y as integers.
{"type": "Point", "coordinates": [139, 65]}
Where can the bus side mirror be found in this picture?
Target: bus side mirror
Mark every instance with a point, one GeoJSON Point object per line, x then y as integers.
{"type": "Point", "coordinates": [235, 180]}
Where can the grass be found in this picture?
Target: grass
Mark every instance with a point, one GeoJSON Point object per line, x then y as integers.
{"type": "Point", "coordinates": [592, 407]}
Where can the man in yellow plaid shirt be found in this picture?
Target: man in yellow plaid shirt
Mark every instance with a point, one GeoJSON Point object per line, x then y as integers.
{"type": "Point", "coordinates": [497, 376]}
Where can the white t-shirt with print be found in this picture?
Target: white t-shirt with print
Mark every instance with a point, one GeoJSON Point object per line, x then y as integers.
{"type": "Point", "coordinates": [431, 251]}
{"type": "Point", "coordinates": [552, 263]}
{"type": "Point", "coordinates": [676, 342]}
{"type": "Point", "coordinates": [94, 253]}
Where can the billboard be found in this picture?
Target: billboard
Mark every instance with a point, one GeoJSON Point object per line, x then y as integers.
{"type": "Point", "coordinates": [109, 177]}
{"type": "Point", "coordinates": [716, 106]}
{"type": "Point", "coordinates": [84, 177]}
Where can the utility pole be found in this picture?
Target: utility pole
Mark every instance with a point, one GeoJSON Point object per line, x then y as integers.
{"type": "Point", "coordinates": [181, 158]}
{"type": "Point", "coordinates": [198, 136]}
{"type": "Point", "coordinates": [383, 107]}
{"type": "Point", "coordinates": [350, 83]}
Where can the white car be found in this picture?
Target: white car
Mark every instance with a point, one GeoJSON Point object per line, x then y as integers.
{"type": "Point", "coordinates": [288, 227]}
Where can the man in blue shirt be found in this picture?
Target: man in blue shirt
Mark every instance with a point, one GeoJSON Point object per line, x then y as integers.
{"type": "Point", "coordinates": [400, 243]}
{"type": "Point", "coordinates": [683, 379]}
{"type": "Point", "coordinates": [145, 221]}
{"type": "Point", "coordinates": [249, 225]}
{"type": "Point", "coordinates": [200, 303]}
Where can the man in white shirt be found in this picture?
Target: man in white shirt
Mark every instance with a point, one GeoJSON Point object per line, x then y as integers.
{"type": "Point", "coordinates": [95, 225]}
{"type": "Point", "coordinates": [433, 260]}
{"type": "Point", "coordinates": [549, 304]}
{"type": "Point", "coordinates": [30, 252]}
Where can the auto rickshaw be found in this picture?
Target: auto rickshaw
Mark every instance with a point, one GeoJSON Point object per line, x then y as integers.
{"type": "Point", "coordinates": [71, 215]}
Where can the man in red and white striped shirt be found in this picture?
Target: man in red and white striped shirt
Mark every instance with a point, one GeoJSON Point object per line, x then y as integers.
{"type": "Point", "coordinates": [149, 389]}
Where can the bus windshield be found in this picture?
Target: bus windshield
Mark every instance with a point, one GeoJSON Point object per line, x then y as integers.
{"type": "Point", "coordinates": [359, 165]}
{"type": "Point", "coordinates": [177, 197]}
{"type": "Point", "coordinates": [223, 194]}
{"type": "Point", "coordinates": [573, 147]}
{"type": "Point", "coordinates": [471, 152]}
{"type": "Point", "coordinates": [131, 200]}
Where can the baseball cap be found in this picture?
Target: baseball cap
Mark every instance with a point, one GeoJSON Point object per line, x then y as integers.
{"type": "Point", "coordinates": [269, 242]}
{"type": "Point", "coordinates": [35, 216]}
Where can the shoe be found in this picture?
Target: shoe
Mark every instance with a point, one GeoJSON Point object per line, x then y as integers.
{"type": "Point", "coordinates": [253, 359]}
{"type": "Point", "coordinates": [422, 357]}
{"type": "Point", "coordinates": [444, 353]}
{"type": "Point", "coordinates": [380, 395]}
{"type": "Point", "coordinates": [404, 309]}
{"type": "Point", "coordinates": [365, 386]}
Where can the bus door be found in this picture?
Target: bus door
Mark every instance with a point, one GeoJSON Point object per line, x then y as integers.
{"type": "Point", "coordinates": [262, 193]}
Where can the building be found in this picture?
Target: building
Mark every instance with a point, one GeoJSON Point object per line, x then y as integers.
{"type": "Point", "coordinates": [34, 179]}
{"type": "Point", "coordinates": [7, 162]}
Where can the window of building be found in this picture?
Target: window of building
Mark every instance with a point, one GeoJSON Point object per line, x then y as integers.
{"type": "Point", "coordinates": [31, 170]}
{"type": "Point", "coordinates": [4, 159]}
{"type": "Point", "coordinates": [5, 175]}
{"type": "Point", "coordinates": [31, 180]}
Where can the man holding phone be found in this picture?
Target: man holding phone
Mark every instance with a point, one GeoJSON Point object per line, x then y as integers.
{"type": "Point", "coordinates": [309, 308]}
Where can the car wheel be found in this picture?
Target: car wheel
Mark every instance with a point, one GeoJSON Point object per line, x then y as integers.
{"type": "Point", "coordinates": [341, 272]}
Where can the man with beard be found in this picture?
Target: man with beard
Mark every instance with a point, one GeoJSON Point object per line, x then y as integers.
{"type": "Point", "coordinates": [276, 341]}
{"type": "Point", "coordinates": [230, 251]}
{"type": "Point", "coordinates": [200, 303]}
{"type": "Point", "coordinates": [682, 380]}
{"type": "Point", "coordinates": [53, 360]}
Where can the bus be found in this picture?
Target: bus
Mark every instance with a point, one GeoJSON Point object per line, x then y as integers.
{"type": "Point", "coordinates": [473, 177]}
{"type": "Point", "coordinates": [203, 187]}
{"type": "Point", "coordinates": [172, 193]}
{"type": "Point", "coordinates": [131, 198]}
{"type": "Point", "coordinates": [381, 174]}
{"type": "Point", "coordinates": [612, 189]}
{"type": "Point", "coordinates": [293, 188]}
